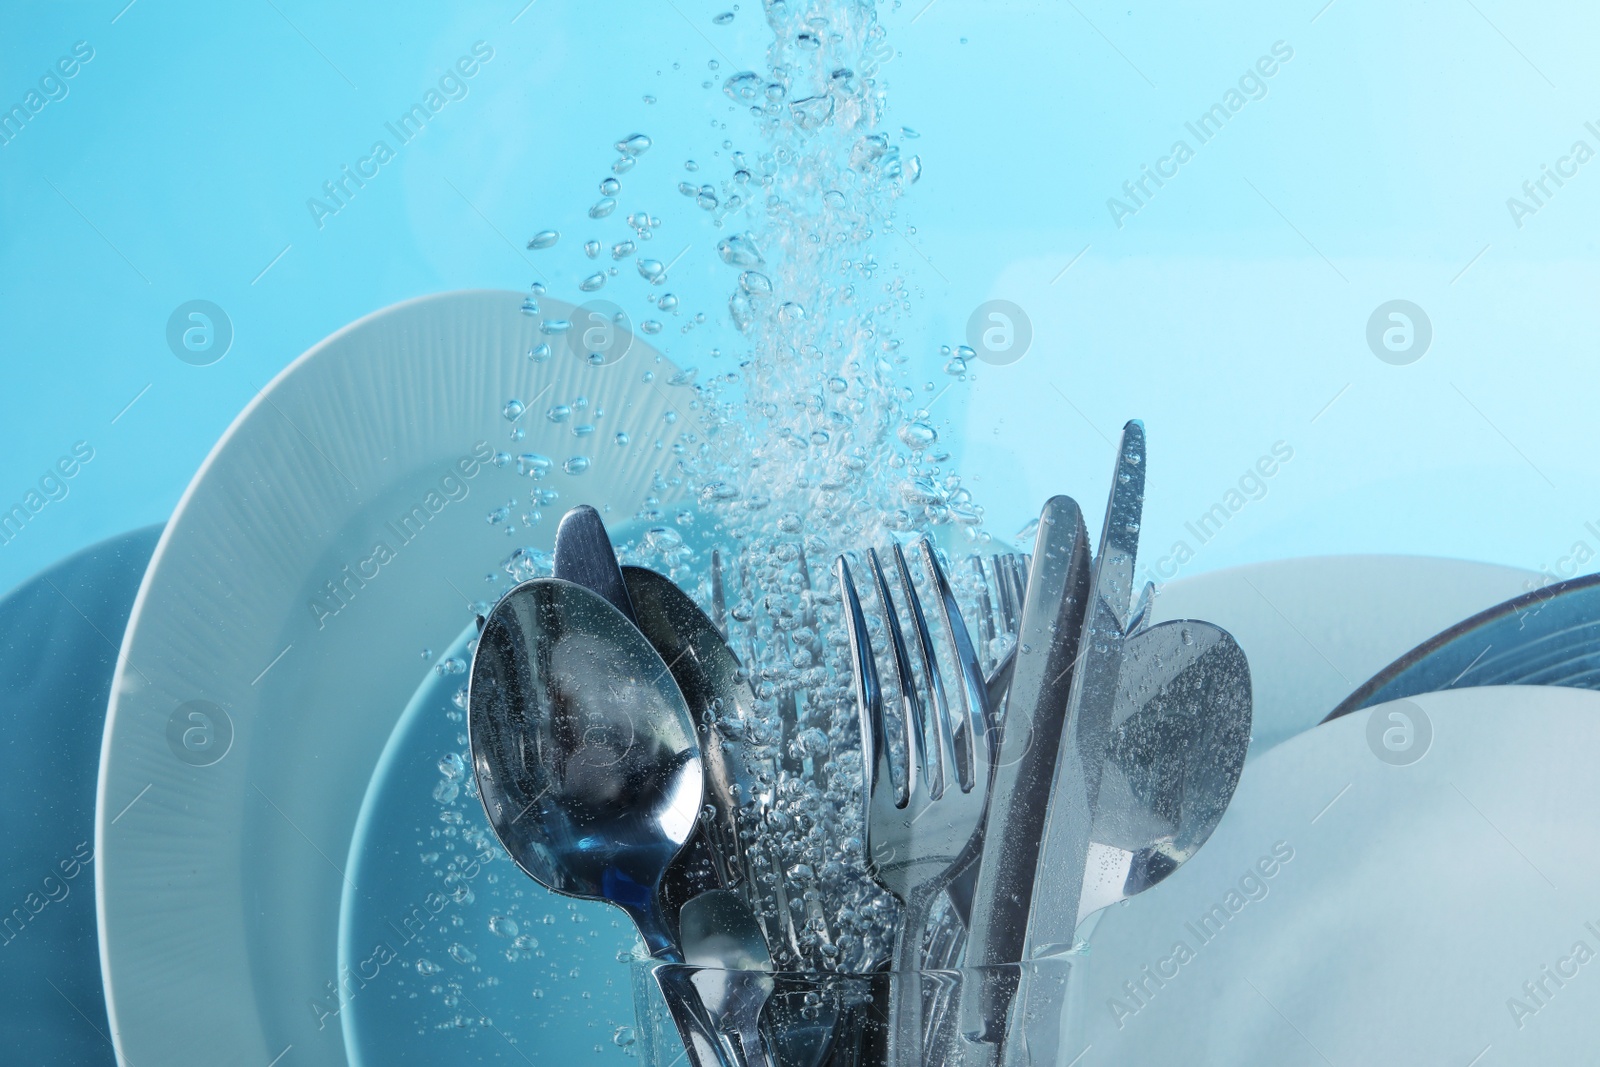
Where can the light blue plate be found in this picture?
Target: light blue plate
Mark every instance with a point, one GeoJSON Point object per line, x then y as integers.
{"type": "Point", "coordinates": [59, 635]}
{"type": "Point", "coordinates": [428, 979]}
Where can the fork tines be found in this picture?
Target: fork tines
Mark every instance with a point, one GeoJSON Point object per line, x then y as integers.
{"type": "Point", "coordinates": [935, 746]}
{"type": "Point", "coordinates": [942, 745]}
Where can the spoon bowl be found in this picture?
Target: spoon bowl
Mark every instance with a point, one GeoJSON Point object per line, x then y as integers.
{"type": "Point", "coordinates": [583, 748]}
{"type": "Point", "coordinates": [719, 698]}
{"type": "Point", "coordinates": [1180, 729]}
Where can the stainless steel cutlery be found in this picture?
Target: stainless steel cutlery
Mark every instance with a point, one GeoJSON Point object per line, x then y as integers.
{"type": "Point", "coordinates": [584, 750]}
{"type": "Point", "coordinates": [732, 970]}
{"type": "Point", "coordinates": [1179, 732]}
{"type": "Point", "coordinates": [1016, 776]}
{"type": "Point", "coordinates": [586, 760]}
{"type": "Point", "coordinates": [923, 822]}
{"type": "Point", "coordinates": [1035, 711]}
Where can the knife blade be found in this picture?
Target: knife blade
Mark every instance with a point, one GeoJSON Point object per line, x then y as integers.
{"type": "Point", "coordinates": [1053, 916]}
{"type": "Point", "coordinates": [1047, 645]}
{"type": "Point", "coordinates": [1063, 847]}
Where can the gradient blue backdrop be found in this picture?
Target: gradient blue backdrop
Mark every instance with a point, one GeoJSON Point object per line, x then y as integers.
{"type": "Point", "coordinates": [1227, 312]}
{"type": "Point", "coordinates": [1230, 311]}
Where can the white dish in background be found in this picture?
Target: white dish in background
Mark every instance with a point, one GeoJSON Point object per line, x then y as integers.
{"type": "Point", "coordinates": [218, 886]}
{"type": "Point", "coordinates": [1405, 907]}
{"type": "Point", "coordinates": [1314, 629]}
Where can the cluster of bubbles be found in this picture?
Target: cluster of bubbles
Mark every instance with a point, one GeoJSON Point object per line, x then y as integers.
{"type": "Point", "coordinates": [489, 913]}
{"type": "Point", "coordinates": [819, 443]}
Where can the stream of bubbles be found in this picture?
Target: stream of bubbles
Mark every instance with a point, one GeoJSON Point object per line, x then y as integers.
{"type": "Point", "coordinates": [816, 446]}
{"type": "Point", "coordinates": [812, 442]}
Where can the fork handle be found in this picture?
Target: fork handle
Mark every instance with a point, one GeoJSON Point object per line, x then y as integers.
{"type": "Point", "coordinates": [905, 979]}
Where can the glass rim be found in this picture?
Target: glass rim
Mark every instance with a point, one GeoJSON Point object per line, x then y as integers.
{"type": "Point", "coordinates": [1054, 962]}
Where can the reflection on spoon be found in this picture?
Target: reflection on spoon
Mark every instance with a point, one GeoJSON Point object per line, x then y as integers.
{"type": "Point", "coordinates": [583, 748]}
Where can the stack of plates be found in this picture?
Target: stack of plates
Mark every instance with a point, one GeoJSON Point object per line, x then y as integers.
{"type": "Point", "coordinates": [271, 856]}
{"type": "Point", "coordinates": [337, 530]}
{"type": "Point", "coordinates": [1429, 900]}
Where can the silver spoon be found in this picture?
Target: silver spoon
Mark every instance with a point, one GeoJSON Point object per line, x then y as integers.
{"type": "Point", "coordinates": [1180, 728]}
{"type": "Point", "coordinates": [1179, 734]}
{"type": "Point", "coordinates": [712, 684]}
{"type": "Point", "coordinates": [711, 680]}
{"type": "Point", "coordinates": [586, 761]}
{"type": "Point", "coordinates": [584, 751]}
{"type": "Point", "coordinates": [722, 941]}
{"type": "Point", "coordinates": [584, 555]}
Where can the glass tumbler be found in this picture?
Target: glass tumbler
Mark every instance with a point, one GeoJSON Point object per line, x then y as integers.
{"type": "Point", "coordinates": [1019, 1015]}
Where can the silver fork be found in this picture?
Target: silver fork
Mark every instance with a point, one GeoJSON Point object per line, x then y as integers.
{"type": "Point", "coordinates": [923, 828]}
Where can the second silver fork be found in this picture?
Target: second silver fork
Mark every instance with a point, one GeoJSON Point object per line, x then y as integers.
{"type": "Point", "coordinates": [923, 827]}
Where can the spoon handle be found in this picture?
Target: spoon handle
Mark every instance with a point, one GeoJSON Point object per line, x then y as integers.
{"type": "Point", "coordinates": [689, 1015]}
{"type": "Point", "coordinates": [754, 1052]}
{"type": "Point", "coordinates": [584, 555]}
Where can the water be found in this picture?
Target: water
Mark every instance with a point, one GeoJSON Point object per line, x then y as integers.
{"type": "Point", "coordinates": [1266, 340]}
{"type": "Point", "coordinates": [473, 951]}
{"type": "Point", "coordinates": [814, 438]}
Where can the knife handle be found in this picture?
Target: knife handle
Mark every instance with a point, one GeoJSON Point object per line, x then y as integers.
{"type": "Point", "coordinates": [1035, 716]}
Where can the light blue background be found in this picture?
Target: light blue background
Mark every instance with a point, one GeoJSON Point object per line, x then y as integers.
{"type": "Point", "coordinates": [1230, 313]}
{"type": "Point", "coordinates": [1226, 316]}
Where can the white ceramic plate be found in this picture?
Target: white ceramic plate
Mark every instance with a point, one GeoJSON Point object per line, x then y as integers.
{"type": "Point", "coordinates": [1353, 910]}
{"type": "Point", "coordinates": [219, 884]}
